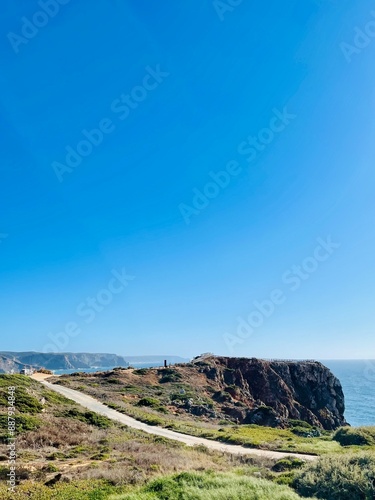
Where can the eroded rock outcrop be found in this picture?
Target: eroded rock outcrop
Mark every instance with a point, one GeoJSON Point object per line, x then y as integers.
{"type": "Point", "coordinates": [273, 392]}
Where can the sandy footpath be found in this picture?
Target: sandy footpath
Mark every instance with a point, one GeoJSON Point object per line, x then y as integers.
{"type": "Point", "coordinates": [94, 405]}
{"type": "Point", "coordinates": [41, 376]}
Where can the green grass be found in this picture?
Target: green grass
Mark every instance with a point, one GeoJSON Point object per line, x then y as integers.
{"type": "Point", "coordinates": [97, 462]}
{"type": "Point", "coordinates": [25, 403]}
{"type": "Point", "coordinates": [183, 486]}
{"type": "Point", "coordinates": [345, 477]}
{"type": "Point", "coordinates": [210, 486]}
{"type": "Point", "coordinates": [76, 490]}
{"type": "Point", "coordinates": [54, 398]}
{"type": "Point", "coordinates": [287, 464]}
{"type": "Point", "coordinates": [7, 380]}
{"type": "Point", "coordinates": [24, 423]}
{"type": "Point", "coordinates": [253, 436]}
{"type": "Point", "coordinates": [275, 439]}
{"type": "Point", "coordinates": [89, 417]}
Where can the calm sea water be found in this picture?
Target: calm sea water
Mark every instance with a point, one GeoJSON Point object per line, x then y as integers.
{"type": "Point", "coordinates": [357, 379]}
{"type": "Point", "coordinates": [103, 368]}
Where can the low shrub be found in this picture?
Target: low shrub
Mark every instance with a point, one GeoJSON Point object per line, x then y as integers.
{"type": "Point", "coordinates": [181, 396]}
{"type": "Point", "coordinates": [22, 473]}
{"type": "Point", "coordinates": [343, 477]}
{"type": "Point", "coordinates": [285, 464]}
{"type": "Point", "coordinates": [305, 432]}
{"type": "Point", "coordinates": [50, 468]}
{"type": "Point", "coordinates": [56, 455]}
{"type": "Point", "coordinates": [299, 423]}
{"type": "Point", "coordinates": [100, 456]}
{"type": "Point", "coordinates": [162, 409]}
{"type": "Point", "coordinates": [56, 398]}
{"type": "Point", "coordinates": [360, 436]}
{"type": "Point", "coordinates": [23, 423]}
{"type": "Point", "coordinates": [16, 380]}
{"type": "Point", "coordinates": [114, 381]}
{"type": "Point", "coordinates": [89, 417]}
{"type": "Point", "coordinates": [169, 375]}
{"type": "Point", "coordinates": [152, 420]}
{"type": "Point", "coordinates": [24, 402]}
{"type": "Point", "coordinates": [286, 478]}
{"type": "Point", "coordinates": [150, 402]}
{"type": "Point", "coordinates": [141, 371]}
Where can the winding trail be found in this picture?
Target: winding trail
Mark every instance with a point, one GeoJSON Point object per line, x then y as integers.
{"type": "Point", "coordinates": [94, 405]}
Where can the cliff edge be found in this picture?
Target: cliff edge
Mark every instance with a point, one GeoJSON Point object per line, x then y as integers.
{"type": "Point", "coordinates": [273, 392]}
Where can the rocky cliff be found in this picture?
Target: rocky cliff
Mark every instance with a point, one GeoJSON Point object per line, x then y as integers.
{"type": "Point", "coordinates": [9, 364]}
{"type": "Point", "coordinates": [273, 392]}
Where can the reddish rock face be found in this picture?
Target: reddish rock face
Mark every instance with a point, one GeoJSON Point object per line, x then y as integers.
{"type": "Point", "coordinates": [274, 391]}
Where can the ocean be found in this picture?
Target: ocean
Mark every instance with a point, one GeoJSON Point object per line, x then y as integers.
{"type": "Point", "coordinates": [357, 378]}
{"type": "Point", "coordinates": [103, 368]}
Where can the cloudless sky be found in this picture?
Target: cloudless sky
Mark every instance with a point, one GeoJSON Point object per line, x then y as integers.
{"type": "Point", "coordinates": [224, 75]}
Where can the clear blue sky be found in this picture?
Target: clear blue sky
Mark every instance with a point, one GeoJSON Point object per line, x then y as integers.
{"type": "Point", "coordinates": [221, 76]}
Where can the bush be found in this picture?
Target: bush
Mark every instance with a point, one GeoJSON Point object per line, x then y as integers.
{"type": "Point", "coordinates": [50, 468]}
{"type": "Point", "coordinates": [89, 417]}
{"type": "Point", "coordinates": [23, 423]}
{"type": "Point", "coordinates": [150, 402]}
{"type": "Point", "coordinates": [56, 398]}
{"type": "Point", "coordinates": [56, 455]}
{"type": "Point", "coordinates": [181, 397]}
{"type": "Point", "coordinates": [114, 381]}
{"type": "Point", "coordinates": [305, 432]}
{"type": "Point", "coordinates": [26, 423]}
{"type": "Point", "coordinates": [361, 436]}
{"type": "Point", "coordinates": [285, 464]}
{"type": "Point", "coordinates": [162, 409]}
{"type": "Point", "coordinates": [343, 477]}
{"type": "Point", "coordinates": [152, 420]}
{"type": "Point", "coordinates": [141, 371]}
{"type": "Point", "coordinates": [22, 473]}
{"type": "Point", "coordinates": [299, 423]}
{"type": "Point", "coordinates": [169, 375]}
{"type": "Point", "coordinates": [26, 403]}
{"type": "Point", "coordinates": [286, 478]}
{"type": "Point", "coordinates": [7, 380]}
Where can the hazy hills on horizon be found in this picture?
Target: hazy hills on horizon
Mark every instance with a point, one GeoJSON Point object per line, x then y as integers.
{"type": "Point", "coordinates": [14, 360]}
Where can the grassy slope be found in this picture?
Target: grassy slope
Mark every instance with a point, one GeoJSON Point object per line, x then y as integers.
{"type": "Point", "coordinates": [206, 486]}
{"type": "Point", "coordinates": [99, 459]}
{"type": "Point", "coordinates": [187, 486]}
{"type": "Point", "coordinates": [95, 457]}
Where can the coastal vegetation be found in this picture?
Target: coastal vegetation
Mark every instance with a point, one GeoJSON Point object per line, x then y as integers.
{"type": "Point", "coordinates": [65, 452]}
{"type": "Point", "coordinates": [192, 408]}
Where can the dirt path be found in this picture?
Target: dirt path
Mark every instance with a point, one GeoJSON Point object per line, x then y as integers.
{"type": "Point", "coordinates": [94, 405]}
